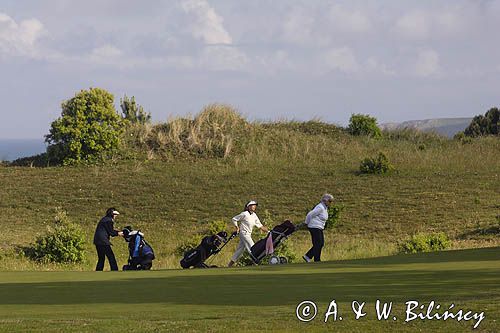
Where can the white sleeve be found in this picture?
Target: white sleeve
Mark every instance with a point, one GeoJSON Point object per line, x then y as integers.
{"type": "Point", "coordinates": [257, 222]}
{"type": "Point", "coordinates": [238, 218]}
{"type": "Point", "coordinates": [316, 211]}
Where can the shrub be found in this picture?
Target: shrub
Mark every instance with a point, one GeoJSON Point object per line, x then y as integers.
{"type": "Point", "coordinates": [40, 160]}
{"type": "Point", "coordinates": [376, 165]}
{"type": "Point", "coordinates": [133, 112]}
{"type": "Point", "coordinates": [215, 227]}
{"type": "Point", "coordinates": [426, 243]}
{"type": "Point", "coordinates": [464, 139]}
{"type": "Point", "coordinates": [361, 124]}
{"type": "Point", "coordinates": [88, 129]}
{"type": "Point", "coordinates": [414, 135]}
{"type": "Point", "coordinates": [334, 213]}
{"type": "Point", "coordinates": [188, 244]}
{"type": "Point", "coordinates": [64, 243]}
{"type": "Point", "coordinates": [489, 124]}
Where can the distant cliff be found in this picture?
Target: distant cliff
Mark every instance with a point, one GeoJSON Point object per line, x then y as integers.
{"type": "Point", "coordinates": [444, 126]}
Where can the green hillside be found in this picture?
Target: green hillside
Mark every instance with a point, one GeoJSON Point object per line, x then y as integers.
{"type": "Point", "coordinates": [261, 298]}
{"type": "Point", "coordinates": [175, 178]}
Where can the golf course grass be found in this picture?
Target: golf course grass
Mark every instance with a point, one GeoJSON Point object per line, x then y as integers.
{"type": "Point", "coordinates": [262, 298]}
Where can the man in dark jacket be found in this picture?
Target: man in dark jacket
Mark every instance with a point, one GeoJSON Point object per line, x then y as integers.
{"type": "Point", "coordinates": [103, 231]}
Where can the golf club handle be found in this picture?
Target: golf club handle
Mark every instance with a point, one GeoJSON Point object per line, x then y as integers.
{"type": "Point", "coordinates": [225, 243]}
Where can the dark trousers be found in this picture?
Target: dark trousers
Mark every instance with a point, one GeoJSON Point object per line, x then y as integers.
{"type": "Point", "coordinates": [318, 241]}
{"type": "Point", "coordinates": [104, 251]}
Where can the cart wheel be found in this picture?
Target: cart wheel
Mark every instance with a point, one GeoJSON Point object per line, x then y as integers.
{"type": "Point", "coordinates": [274, 260]}
{"type": "Point", "coordinates": [283, 260]}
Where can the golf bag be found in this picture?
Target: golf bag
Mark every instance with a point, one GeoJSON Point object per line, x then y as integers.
{"type": "Point", "coordinates": [278, 234]}
{"type": "Point", "coordinates": [210, 245]}
{"type": "Point", "coordinates": [141, 254]}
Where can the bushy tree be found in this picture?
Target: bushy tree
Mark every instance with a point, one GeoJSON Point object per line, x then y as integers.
{"type": "Point", "coordinates": [376, 165]}
{"type": "Point", "coordinates": [133, 112]}
{"type": "Point", "coordinates": [489, 124]}
{"type": "Point", "coordinates": [361, 124]}
{"type": "Point", "coordinates": [426, 243]}
{"type": "Point", "coordinates": [62, 243]}
{"type": "Point", "coordinates": [88, 129]}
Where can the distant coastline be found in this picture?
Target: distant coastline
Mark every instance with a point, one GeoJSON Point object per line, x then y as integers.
{"type": "Point", "coordinates": [11, 149]}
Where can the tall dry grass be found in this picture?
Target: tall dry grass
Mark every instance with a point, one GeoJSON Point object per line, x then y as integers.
{"type": "Point", "coordinates": [217, 131]}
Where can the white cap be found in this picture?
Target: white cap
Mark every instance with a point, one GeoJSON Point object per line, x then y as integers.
{"type": "Point", "coordinates": [250, 203]}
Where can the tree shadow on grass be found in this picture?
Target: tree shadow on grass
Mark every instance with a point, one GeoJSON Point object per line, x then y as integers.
{"type": "Point", "coordinates": [262, 290]}
{"type": "Point", "coordinates": [488, 231]}
{"type": "Point", "coordinates": [483, 254]}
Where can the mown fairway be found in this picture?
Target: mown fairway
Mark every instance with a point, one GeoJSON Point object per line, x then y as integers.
{"type": "Point", "coordinates": [255, 298]}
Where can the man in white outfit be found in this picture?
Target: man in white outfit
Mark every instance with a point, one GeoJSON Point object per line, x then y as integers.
{"type": "Point", "coordinates": [248, 220]}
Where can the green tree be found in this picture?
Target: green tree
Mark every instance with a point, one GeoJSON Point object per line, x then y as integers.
{"type": "Point", "coordinates": [133, 112]}
{"type": "Point", "coordinates": [377, 165]}
{"type": "Point", "coordinates": [64, 242]}
{"type": "Point", "coordinates": [489, 124]}
{"type": "Point", "coordinates": [88, 129]}
{"type": "Point", "coordinates": [361, 124]}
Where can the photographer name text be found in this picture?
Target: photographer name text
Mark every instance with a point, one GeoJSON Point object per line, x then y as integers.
{"type": "Point", "coordinates": [307, 311]}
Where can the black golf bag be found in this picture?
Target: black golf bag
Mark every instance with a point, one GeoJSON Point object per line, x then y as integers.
{"type": "Point", "coordinates": [278, 234]}
{"type": "Point", "coordinates": [209, 246]}
{"type": "Point", "coordinates": [141, 254]}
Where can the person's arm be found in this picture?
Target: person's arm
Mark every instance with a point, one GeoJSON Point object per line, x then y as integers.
{"type": "Point", "coordinates": [313, 213]}
{"type": "Point", "coordinates": [237, 219]}
{"type": "Point", "coordinates": [108, 225]}
{"type": "Point", "coordinates": [259, 225]}
{"type": "Point", "coordinates": [136, 247]}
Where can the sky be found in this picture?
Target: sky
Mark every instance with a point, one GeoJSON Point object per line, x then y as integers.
{"type": "Point", "coordinates": [270, 59]}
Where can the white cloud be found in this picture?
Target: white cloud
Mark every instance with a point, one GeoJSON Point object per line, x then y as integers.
{"type": "Point", "coordinates": [19, 38]}
{"type": "Point", "coordinates": [341, 59]}
{"type": "Point", "coordinates": [297, 26]}
{"type": "Point", "coordinates": [106, 51]}
{"type": "Point", "coordinates": [300, 27]}
{"type": "Point", "coordinates": [208, 25]}
{"type": "Point", "coordinates": [374, 66]}
{"type": "Point", "coordinates": [349, 20]}
{"type": "Point", "coordinates": [278, 60]}
{"type": "Point", "coordinates": [415, 24]}
{"type": "Point", "coordinates": [445, 21]}
{"type": "Point", "coordinates": [106, 54]}
{"type": "Point", "coordinates": [427, 63]}
{"type": "Point", "coordinates": [220, 57]}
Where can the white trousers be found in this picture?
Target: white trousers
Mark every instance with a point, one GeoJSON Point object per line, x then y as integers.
{"type": "Point", "coordinates": [246, 242]}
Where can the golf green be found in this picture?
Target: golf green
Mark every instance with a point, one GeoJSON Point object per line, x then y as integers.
{"type": "Point", "coordinates": [265, 298]}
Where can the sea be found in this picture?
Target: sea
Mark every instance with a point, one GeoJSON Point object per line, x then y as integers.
{"type": "Point", "coordinates": [11, 149]}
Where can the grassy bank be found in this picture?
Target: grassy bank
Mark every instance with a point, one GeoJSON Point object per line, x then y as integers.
{"type": "Point", "coordinates": [256, 298]}
{"type": "Point", "coordinates": [439, 185]}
